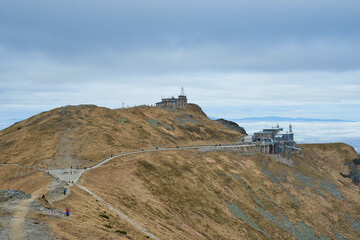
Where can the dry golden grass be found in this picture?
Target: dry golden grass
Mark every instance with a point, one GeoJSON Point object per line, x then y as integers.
{"type": "Point", "coordinates": [182, 194]}
{"type": "Point", "coordinates": [85, 221]}
{"type": "Point", "coordinates": [28, 181]}
{"type": "Point", "coordinates": [84, 135]}
{"type": "Point", "coordinates": [172, 194]}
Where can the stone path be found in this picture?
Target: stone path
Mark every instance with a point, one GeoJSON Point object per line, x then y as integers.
{"type": "Point", "coordinates": [69, 175]}
{"type": "Point", "coordinates": [17, 221]}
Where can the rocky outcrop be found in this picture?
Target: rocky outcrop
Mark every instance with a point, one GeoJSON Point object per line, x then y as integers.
{"type": "Point", "coordinates": [13, 194]}
{"type": "Point", "coordinates": [231, 125]}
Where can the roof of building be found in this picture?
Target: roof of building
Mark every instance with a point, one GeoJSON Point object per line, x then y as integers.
{"type": "Point", "coordinates": [263, 132]}
{"type": "Point", "coordinates": [273, 129]}
{"type": "Point", "coordinates": [283, 134]}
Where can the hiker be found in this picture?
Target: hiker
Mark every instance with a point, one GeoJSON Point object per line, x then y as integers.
{"type": "Point", "coordinates": [65, 190]}
{"type": "Point", "coordinates": [43, 196]}
{"type": "Point", "coordinates": [67, 212]}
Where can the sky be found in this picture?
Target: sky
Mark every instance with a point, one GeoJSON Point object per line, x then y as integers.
{"type": "Point", "coordinates": [234, 58]}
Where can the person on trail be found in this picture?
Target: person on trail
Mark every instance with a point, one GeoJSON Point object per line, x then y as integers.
{"type": "Point", "coordinates": [64, 191]}
{"type": "Point", "coordinates": [67, 212]}
{"type": "Point", "coordinates": [43, 196]}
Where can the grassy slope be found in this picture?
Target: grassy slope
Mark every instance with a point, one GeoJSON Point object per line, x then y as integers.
{"type": "Point", "coordinates": [181, 195]}
{"type": "Point", "coordinates": [79, 135]}
{"type": "Point", "coordinates": [175, 195]}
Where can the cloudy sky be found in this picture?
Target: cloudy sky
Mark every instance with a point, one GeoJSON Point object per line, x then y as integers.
{"type": "Point", "coordinates": [234, 58]}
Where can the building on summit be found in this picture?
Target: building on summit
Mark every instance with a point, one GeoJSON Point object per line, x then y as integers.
{"type": "Point", "coordinates": [173, 103]}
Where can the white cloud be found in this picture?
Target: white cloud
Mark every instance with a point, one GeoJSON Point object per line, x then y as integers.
{"type": "Point", "coordinates": [234, 58]}
{"type": "Point", "coordinates": [315, 132]}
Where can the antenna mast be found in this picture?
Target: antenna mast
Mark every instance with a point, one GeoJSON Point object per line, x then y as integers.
{"type": "Point", "coordinates": [182, 91]}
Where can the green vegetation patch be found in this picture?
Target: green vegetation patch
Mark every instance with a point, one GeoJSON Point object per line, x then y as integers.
{"type": "Point", "coordinates": [104, 216]}
{"type": "Point", "coordinates": [152, 122]}
{"type": "Point", "coordinates": [107, 226]}
{"type": "Point", "coordinates": [155, 123]}
{"type": "Point", "coordinates": [121, 232]}
{"type": "Point", "coordinates": [147, 165]}
{"type": "Point", "coordinates": [122, 120]}
{"type": "Point", "coordinates": [238, 213]}
{"type": "Point", "coordinates": [186, 120]}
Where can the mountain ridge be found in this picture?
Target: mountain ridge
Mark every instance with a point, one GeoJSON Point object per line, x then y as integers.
{"type": "Point", "coordinates": [75, 135]}
{"type": "Point", "coordinates": [209, 192]}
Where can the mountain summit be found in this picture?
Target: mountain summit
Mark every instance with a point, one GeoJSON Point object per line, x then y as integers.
{"type": "Point", "coordinates": [88, 172]}
{"type": "Point", "coordinates": [85, 134]}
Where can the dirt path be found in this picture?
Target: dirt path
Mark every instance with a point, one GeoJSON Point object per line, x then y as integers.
{"type": "Point", "coordinates": [68, 175]}
{"type": "Point", "coordinates": [20, 212]}
{"type": "Point", "coordinates": [123, 216]}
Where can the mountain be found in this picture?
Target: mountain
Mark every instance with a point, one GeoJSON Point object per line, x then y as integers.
{"type": "Point", "coordinates": [231, 125]}
{"type": "Point", "coordinates": [206, 192]}
{"type": "Point", "coordinates": [79, 135]}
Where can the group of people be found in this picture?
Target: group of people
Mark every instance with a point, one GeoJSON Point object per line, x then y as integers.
{"type": "Point", "coordinates": [80, 167]}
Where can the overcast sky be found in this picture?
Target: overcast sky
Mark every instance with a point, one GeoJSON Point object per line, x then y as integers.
{"type": "Point", "coordinates": [234, 58]}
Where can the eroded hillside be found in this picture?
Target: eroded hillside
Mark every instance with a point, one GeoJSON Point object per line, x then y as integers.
{"type": "Point", "coordinates": [216, 195]}
{"type": "Point", "coordinates": [83, 135]}
{"type": "Point", "coordinates": [177, 193]}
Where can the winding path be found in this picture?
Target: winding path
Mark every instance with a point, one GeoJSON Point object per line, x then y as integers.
{"type": "Point", "coordinates": [70, 175]}
{"type": "Point", "coordinates": [17, 221]}
{"type": "Point", "coordinates": [123, 216]}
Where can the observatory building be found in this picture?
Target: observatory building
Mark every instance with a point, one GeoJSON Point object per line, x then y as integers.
{"type": "Point", "coordinates": [172, 102]}
{"type": "Point", "coordinates": [278, 140]}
